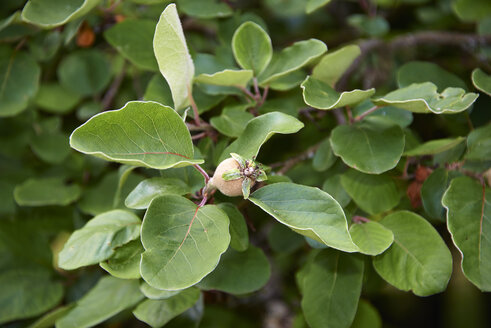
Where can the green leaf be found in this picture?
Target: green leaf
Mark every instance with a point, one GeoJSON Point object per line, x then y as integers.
{"type": "Point", "coordinates": [141, 134]}
{"type": "Point", "coordinates": [183, 243]}
{"type": "Point", "coordinates": [321, 96]}
{"type": "Point", "coordinates": [48, 320]}
{"type": "Point", "coordinates": [46, 191]}
{"type": "Point", "coordinates": [371, 237]}
{"type": "Point", "coordinates": [97, 240]}
{"type": "Point", "coordinates": [419, 72]}
{"type": "Point", "coordinates": [158, 90]}
{"type": "Point", "coordinates": [374, 194]}
{"type": "Point", "coordinates": [157, 313]}
{"type": "Point", "coordinates": [433, 189]}
{"type": "Point", "coordinates": [233, 174]}
{"type": "Point", "coordinates": [227, 77]}
{"type": "Point", "coordinates": [205, 9]}
{"type": "Point", "coordinates": [246, 187]}
{"type": "Point", "coordinates": [333, 65]}
{"type": "Point", "coordinates": [434, 146]}
{"type": "Point", "coordinates": [27, 293]}
{"type": "Point", "coordinates": [100, 303]}
{"type": "Point", "coordinates": [469, 221]}
{"type": "Point", "coordinates": [308, 211]}
{"type": "Point", "coordinates": [399, 116]}
{"type": "Point", "coordinates": [479, 144]}
{"type": "Point", "coordinates": [366, 316]}
{"type": "Point", "coordinates": [133, 38]}
{"type": "Point", "coordinates": [331, 288]}
{"type": "Point", "coordinates": [481, 81]}
{"type": "Point", "coordinates": [324, 157]}
{"type": "Point", "coordinates": [171, 51]}
{"type": "Point", "coordinates": [472, 10]}
{"type": "Point", "coordinates": [147, 190]}
{"type": "Point", "coordinates": [239, 272]}
{"type": "Point", "coordinates": [313, 5]}
{"type": "Point", "coordinates": [19, 80]}
{"type": "Point", "coordinates": [259, 130]}
{"type": "Point", "coordinates": [282, 239]}
{"type": "Point", "coordinates": [372, 146]}
{"type": "Point", "coordinates": [85, 72]}
{"type": "Point", "coordinates": [288, 81]}
{"type": "Point", "coordinates": [104, 197]}
{"type": "Point", "coordinates": [292, 58]}
{"type": "Point", "coordinates": [51, 13]}
{"type": "Point", "coordinates": [156, 294]}
{"type": "Point", "coordinates": [375, 26]}
{"type": "Point", "coordinates": [51, 147]}
{"type": "Point", "coordinates": [239, 236]}
{"type": "Point", "coordinates": [333, 187]}
{"type": "Point", "coordinates": [418, 260]}
{"type": "Point", "coordinates": [424, 98]}
{"type": "Point", "coordinates": [125, 262]}
{"type": "Point", "coordinates": [232, 121]}
{"type": "Point", "coordinates": [252, 47]}
{"type": "Point", "coordinates": [53, 98]}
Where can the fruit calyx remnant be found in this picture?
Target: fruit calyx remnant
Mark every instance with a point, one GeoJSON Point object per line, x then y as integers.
{"type": "Point", "coordinates": [236, 175]}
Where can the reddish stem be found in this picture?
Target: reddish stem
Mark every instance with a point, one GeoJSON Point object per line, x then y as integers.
{"type": "Point", "coordinates": [368, 112]}
{"type": "Point", "coordinates": [359, 219]}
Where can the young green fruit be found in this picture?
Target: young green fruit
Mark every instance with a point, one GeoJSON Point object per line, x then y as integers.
{"type": "Point", "coordinates": [229, 188]}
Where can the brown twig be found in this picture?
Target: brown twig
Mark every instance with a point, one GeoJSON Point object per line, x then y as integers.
{"type": "Point", "coordinates": [365, 114]}
{"type": "Point", "coordinates": [113, 89]}
{"type": "Point", "coordinates": [291, 162]}
{"type": "Point", "coordinates": [465, 41]}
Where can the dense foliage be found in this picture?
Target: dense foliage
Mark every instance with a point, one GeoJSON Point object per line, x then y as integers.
{"type": "Point", "coordinates": [362, 172]}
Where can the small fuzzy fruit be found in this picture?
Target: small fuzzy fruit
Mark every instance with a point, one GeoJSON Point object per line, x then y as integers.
{"type": "Point", "coordinates": [229, 188]}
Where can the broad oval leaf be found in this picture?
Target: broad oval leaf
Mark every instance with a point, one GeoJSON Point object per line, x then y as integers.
{"type": "Point", "coordinates": [418, 260]}
{"type": "Point", "coordinates": [227, 77]}
{"type": "Point", "coordinates": [183, 242]}
{"type": "Point", "coordinates": [232, 121]}
{"type": "Point", "coordinates": [419, 72]}
{"type": "Point", "coordinates": [174, 61]}
{"type": "Point", "coordinates": [331, 288]}
{"type": "Point", "coordinates": [252, 47]}
{"type": "Point", "coordinates": [54, 98]}
{"type": "Point", "coordinates": [313, 5]}
{"type": "Point", "coordinates": [372, 146]}
{"type": "Point", "coordinates": [433, 189]}
{"type": "Point", "coordinates": [157, 313]}
{"type": "Point", "coordinates": [133, 38]}
{"type": "Point", "coordinates": [205, 9]}
{"type": "Point", "coordinates": [366, 316]}
{"type": "Point", "coordinates": [148, 189]}
{"type": "Point", "coordinates": [259, 130]}
{"type": "Point", "coordinates": [125, 262]}
{"type": "Point", "coordinates": [239, 236]}
{"type": "Point", "coordinates": [99, 303]}
{"type": "Point", "coordinates": [321, 96]}
{"type": "Point", "coordinates": [324, 157]}
{"type": "Point", "coordinates": [308, 211]}
{"type": "Point", "coordinates": [333, 65]}
{"type": "Point", "coordinates": [468, 205]}
{"type": "Point", "coordinates": [27, 293]}
{"type": "Point", "coordinates": [156, 294]}
{"type": "Point", "coordinates": [239, 272]}
{"type": "Point", "coordinates": [46, 191]}
{"type": "Point", "coordinates": [51, 13]}
{"type": "Point", "coordinates": [481, 81]}
{"type": "Point", "coordinates": [292, 58]}
{"type": "Point", "coordinates": [374, 194]}
{"type": "Point", "coordinates": [141, 134]}
{"type": "Point", "coordinates": [85, 72]}
{"type": "Point", "coordinates": [434, 146]}
{"type": "Point", "coordinates": [19, 80]}
{"type": "Point", "coordinates": [424, 98]}
{"type": "Point", "coordinates": [479, 144]}
{"type": "Point", "coordinates": [333, 187]}
{"type": "Point", "coordinates": [371, 237]}
{"type": "Point", "coordinates": [97, 240]}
